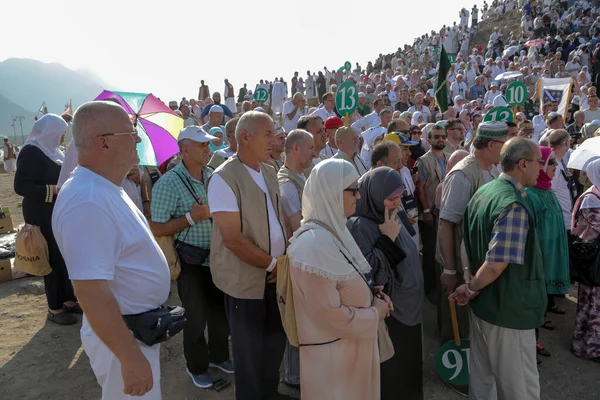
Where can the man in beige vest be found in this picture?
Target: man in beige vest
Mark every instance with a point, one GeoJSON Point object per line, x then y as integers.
{"type": "Point", "coordinates": [299, 151]}
{"type": "Point", "coordinates": [314, 125]}
{"type": "Point", "coordinates": [460, 184]}
{"type": "Point", "coordinates": [347, 141]}
{"type": "Point", "coordinates": [248, 235]}
{"type": "Point", "coordinates": [432, 170]}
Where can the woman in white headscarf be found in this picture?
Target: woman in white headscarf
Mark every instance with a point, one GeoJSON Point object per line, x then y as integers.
{"type": "Point", "coordinates": [38, 168]}
{"type": "Point", "coordinates": [372, 137]}
{"type": "Point", "coordinates": [586, 226]}
{"type": "Point", "coordinates": [337, 325]}
{"type": "Point", "coordinates": [417, 118]}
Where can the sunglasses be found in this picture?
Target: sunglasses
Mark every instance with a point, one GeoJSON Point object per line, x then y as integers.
{"type": "Point", "coordinates": [541, 162]}
{"type": "Point", "coordinates": [437, 137]}
{"type": "Point", "coordinates": [552, 161]}
{"type": "Point", "coordinates": [352, 190]}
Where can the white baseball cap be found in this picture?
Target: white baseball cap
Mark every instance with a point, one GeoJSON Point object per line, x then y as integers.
{"type": "Point", "coordinates": [195, 133]}
{"type": "Point", "coordinates": [215, 108]}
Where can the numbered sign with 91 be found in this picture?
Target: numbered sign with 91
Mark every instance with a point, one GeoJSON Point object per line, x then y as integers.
{"type": "Point", "coordinates": [452, 362]}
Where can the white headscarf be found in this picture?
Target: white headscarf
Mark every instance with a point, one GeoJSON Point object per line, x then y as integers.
{"type": "Point", "coordinates": [46, 135]}
{"type": "Point", "coordinates": [323, 200]}
{"type": "Point", "coordinates": [592, 169]}
{"type": "Point", "coordinates": [369, 136]}
{"type": "Point", "coordinates": [415, 118]}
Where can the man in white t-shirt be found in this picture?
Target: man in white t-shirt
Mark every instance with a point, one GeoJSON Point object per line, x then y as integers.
{"type": "Point", "coordinates": [328, 107]}
{"type": "Point", "coordinates": [243, 257]}
{"type": "Point", "coordinates": [299, 149]}
{"type": "Point", "coordinates": [458, 87]}
{"type": "Point", "coordinates": [116, 266]}
{"type": "Point", "coordinates": [292, 111]}
{"type": "Point", "coordinates": [593, 112]}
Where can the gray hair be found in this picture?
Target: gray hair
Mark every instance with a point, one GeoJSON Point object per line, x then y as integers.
{"type": "Point", "coordinates": [231, 123]}
{"type": "Point", "coordinates": [514, 150]}
{"type": "Point", "coordinates": [248, 123]}
{"type": "Point", "coordinates": [557, 137]}
{"type": "Point", "coordinates": [578, 113]}
{"type": "Point", "coordinates": [182, 143]}
{"type": "Point", "coordinates": [296, 136]}
{"type": "Point", "coordinates": [553, 118]}
{"type": "Point", "coordinates": [298, 95]}
{"type": "Point", "coordinates": [91, 117]}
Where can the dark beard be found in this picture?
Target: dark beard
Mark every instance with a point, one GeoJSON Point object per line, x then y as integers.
{"type": "Point", "coordinates": [439, 147]}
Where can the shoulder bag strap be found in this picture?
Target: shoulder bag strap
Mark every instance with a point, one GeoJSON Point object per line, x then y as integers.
{"type": "Point", "coordinates": [189, 187]}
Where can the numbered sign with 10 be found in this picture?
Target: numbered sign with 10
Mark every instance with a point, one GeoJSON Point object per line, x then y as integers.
{"type": "Point", "coordinates": [261, 95]}
{"type": "Point", "coordinates": [498, 114]}
{"type": "Point", "coordinates": [346, 98]}
{"type": "Point", "coordinates": [516, 94]}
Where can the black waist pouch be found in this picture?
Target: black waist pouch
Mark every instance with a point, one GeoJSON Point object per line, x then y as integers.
{"type": "Point", "coordinates": [191, 255]}
{"type": "Point", "coordinates": [156, 326]}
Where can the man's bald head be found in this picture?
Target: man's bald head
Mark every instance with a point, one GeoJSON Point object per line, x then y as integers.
{"type": "Point", "coordinates": [96, 118]}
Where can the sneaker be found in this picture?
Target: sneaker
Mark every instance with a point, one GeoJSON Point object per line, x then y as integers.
{"type": "Point", "coordinates": [225, 366]}
{"type": "Point", "coordinates": [203, 381]}
{"type": "Point", "coordinates": [541, 351]}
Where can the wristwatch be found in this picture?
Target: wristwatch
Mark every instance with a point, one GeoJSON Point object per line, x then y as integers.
{"type": "Point", "coordinates": [426, 211]}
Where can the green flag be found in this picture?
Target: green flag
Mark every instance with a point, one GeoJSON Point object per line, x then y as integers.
{"type": "Point", "coordinates": [441, 91]}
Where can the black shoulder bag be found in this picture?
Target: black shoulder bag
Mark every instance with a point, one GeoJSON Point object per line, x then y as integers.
{"type": "Point", "coordinates": [156, 326]}
{"type": "Point", "coordinates": [189, 254]}
{"type": "Point", "coordinates": [584, 257]}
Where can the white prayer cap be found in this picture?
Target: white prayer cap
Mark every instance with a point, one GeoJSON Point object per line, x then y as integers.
{"type": "Point", "coordinates": [361, 95]}
{"type": "Point", "coordinates": [216, 108]}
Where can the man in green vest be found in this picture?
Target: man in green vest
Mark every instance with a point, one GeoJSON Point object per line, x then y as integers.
{"type": "Point", "coordinates": [508, 292]}
{"type": "Point", "coordinates": [459, 186]}
{"type": "Point", "coordinates": [299, 151]}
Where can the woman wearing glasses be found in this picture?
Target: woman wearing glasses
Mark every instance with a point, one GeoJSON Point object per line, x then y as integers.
{"type": "Point", "coordinates": [336, 316]}
{"type": "Point", "coordinates": [38, 169]}
{"type": "Point", "coordinates": [550, 228]}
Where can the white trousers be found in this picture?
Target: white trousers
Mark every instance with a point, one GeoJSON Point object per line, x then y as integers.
{"type": "Point", "coordinates": [107, 368]}
{"type": "Point", "coordinates": [10, 165]}
{"type": "Point", "coordinates": [502, 363]}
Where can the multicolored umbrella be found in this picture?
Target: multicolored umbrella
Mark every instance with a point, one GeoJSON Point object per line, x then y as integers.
{"type": "Point", "coordinates": [534, 42]}
{"type": "Point", "coordinates": [157, 125]}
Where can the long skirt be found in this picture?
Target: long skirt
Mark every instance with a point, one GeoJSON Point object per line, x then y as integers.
{"type": "Point", "coordinates": [402, 375]}
{"type": "Point", "coordinates": [586, 337]}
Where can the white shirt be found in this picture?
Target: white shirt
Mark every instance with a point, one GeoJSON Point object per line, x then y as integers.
{"type": "Point", "coordinates": [591, 115]}
{"type": "Point", "coordinates": [424, 110]}
{"type": "Point", "coordinates": [290, 198]}
{"type": "Point", "coordinates": [133, 191]}
{"type": "Point", "coordinates": [371, 120]}
{"type": "Point", "coordinates": [561, 190]}
{"type": "Point", "coordinates": [329, 151]}
{"type": "Point", "coordinates": [499, 101]}
{"type": "Point", "coordinates": [222, 199]}
{"type": "Point", "coordinates": [489, 96]}
{"type": "Point", "coordinates": [103, 236]}
{"type": "Point", "coordinates": [290, 124]}
{"type": "Point", "coordinates": [538, 127]}
{"type": "Point", "coordinates": [323, 113]}
{"type": "Point", "coordinates": [459, 89]}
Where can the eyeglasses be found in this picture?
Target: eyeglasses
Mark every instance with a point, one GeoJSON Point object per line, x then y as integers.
{"type": "Point", "coordinates": [415, 132]}
{"type": "Point", "coordinates": [352, 190]}
{"type": "Point", "coordinates": [437, 137]}
{"type": "Point", "coordinates": [119, 134]}
{"type": "Point", "coordinates": [541, 162]}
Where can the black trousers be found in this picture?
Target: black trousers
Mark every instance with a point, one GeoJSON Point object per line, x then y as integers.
{"type": "Point", "coordinates": [204, 304]}
{"type": "Point", "coordinates": [431, 277]}
{"type": "Point", "coordinates": [402, 375]}
{"type": "Point", "coordinates": [258, 343]}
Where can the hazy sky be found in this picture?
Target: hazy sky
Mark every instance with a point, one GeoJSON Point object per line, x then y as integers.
{"type": "Point", "coordinates": [167, 47]}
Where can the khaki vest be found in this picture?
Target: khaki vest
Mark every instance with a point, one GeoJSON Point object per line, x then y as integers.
{"type": "Point", "coordinates": [216, 161]}
{"type": "Point", "coordinates": [343, 156]}
{"type": "Point", "coordinates": [474, 174]}
{"type": "Point", "coordinates": [434, 177]}
{"type": "Point", "coordinates": [230, 274]}
{"type": "Point", "coordinates": [286, 175]}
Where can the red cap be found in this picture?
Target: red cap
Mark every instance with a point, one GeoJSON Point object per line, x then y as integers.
{"type": "Point", "coordinates": [333, 123]}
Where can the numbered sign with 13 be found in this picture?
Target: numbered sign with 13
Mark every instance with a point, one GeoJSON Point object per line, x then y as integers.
{"type": "Point", "coordinates": [346, 98]}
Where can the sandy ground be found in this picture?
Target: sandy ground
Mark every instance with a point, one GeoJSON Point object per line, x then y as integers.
{"type": "Point", "coordinates": [40, 360]}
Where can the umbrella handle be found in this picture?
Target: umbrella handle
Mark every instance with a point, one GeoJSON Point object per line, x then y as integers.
{"type": "Point", "coordinates": [454, 322]}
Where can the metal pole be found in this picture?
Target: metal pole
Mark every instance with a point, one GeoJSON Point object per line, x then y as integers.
{"type": "Point", "coordinates": [14, 127]}
{"type": "Point", "coordinates": [21, 118]}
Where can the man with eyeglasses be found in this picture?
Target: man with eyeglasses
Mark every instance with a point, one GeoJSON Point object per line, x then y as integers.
{"type": "Point", "coordinates": [114, 263]}
{"type": "Point", "coordinates": [507, 294]}
{"type": "Point", "coordinates": [328, 109]}
{"type": "Point", "coordinates": [460, 184]}
{"type": "Point", "coordinates": [525, 129]}
{"type": "Point", "coordinates": [455, 131]}
{"type": "Point", "coordinates": [432, 171]}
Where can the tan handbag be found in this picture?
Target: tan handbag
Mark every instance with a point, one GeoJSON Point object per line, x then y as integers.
{"type": "Point", "coordinates": [168, 249]}
{"type": "Point", "coordinates": [285, 300]}
{"type": "Point", "coordinates": [31, 251]}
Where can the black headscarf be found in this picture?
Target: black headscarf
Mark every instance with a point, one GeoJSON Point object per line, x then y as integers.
{"type": "Point", "coordinates": [374, 187]}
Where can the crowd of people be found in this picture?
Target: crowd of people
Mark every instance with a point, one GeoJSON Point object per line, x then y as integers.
{"type": "Point", "coordinates": [409, 200]}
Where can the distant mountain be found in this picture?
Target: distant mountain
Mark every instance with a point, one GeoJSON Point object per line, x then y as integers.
{"type": "Point", "coordinates": [28, 83]}
{"type": "Point", "coordinates": [8, 110]}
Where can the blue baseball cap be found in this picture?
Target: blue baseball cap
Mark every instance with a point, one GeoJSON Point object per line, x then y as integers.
{"type": "Point", "coordinates": [400, 139]}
